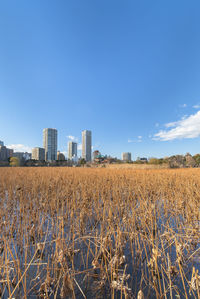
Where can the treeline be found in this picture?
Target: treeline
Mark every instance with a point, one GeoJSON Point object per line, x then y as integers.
{"type": "Point", "coordinates": [14, 161]}
{"type": "Point", "coordinates": [176, 161]}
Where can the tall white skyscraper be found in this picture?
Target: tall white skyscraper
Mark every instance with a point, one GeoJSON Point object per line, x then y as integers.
{"type": "Point", "coordinates": [72, 149]}
{"type": "Point", "coordinates": [86, 145]}
{"type": "Point", "coordinates": [50, 144]}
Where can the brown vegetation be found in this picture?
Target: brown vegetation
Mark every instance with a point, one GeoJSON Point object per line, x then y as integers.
{"type": "Point", "coordinates": [136, 166]}
{"type": "Point", "coordinates": [99, 233]}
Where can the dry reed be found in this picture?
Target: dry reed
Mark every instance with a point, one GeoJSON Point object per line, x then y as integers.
{"type": "Point", "coordinates": [99, 233]}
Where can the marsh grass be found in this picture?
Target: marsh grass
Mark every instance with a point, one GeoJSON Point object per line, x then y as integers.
{"type": "Point", "coordinates": [99, 233]}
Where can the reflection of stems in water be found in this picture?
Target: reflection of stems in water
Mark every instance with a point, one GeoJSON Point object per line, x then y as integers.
{"type": "Point", "coordinates": [7, 270]}
{"type": "Point", "coordinates": [181, 270]}
{"type": "Point", "coordinates": [23, 274]}
{"type": "Point", "coordinates": [169, 270]}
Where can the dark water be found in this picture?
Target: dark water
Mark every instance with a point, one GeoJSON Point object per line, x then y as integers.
{"type": "Point", "coordinates": [70, 261]}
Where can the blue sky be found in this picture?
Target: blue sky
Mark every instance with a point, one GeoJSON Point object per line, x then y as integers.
{"type": "Point", "coordinates": [127, 70]}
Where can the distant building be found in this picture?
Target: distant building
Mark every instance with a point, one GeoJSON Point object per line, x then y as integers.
{"type": "Point", "coordinates": [96, 154]}
{"type": "Point", "coordinates": [1, 143]}
{"type": "Point", "coordinates": [60, 156]}
{"type": "Point", "coordinates": [126, 157]}
{"type": "Point", "coordinates": [5, 153]}
{"type": "Point", "coordinates": [98, 158]}
{"type": "Point", "coordinates": [86, 145]}
{"type": "Point", "coordinates": [144, 160]}
{"type": "Point", "coordinates": [9, 152]}
{"type": "Point", "coordinates": [19, 155]}
{"type": "Point", "coordinates": [75, 159]}
{"type": "Point", "coordinates": [38, 153]}
{"type": "Point", "coordinates": [72, 149]}
{"type": "Point", "coordinates": [27, 156]}
{"type": "Point", "coordinates": [50, 144]}
{"type": "Point", "coordinates": [22, 156]}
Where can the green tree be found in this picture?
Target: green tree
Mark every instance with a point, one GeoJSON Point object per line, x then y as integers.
{"type": "Point", "coordinates": [14, 161]}
{"type": "Point", "coordinates": [82, 161]}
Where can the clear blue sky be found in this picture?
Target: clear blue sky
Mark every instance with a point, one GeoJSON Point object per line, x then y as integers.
{"type": "Point", "coordinates": [127, 70]}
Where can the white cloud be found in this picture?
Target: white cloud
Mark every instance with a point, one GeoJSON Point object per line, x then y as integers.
{"type": "Point", "coordinates": [72, 138]}
{"type": "Point", "coordinates": [139, 139]}
{"type": "Point", "coordinates": [183, 106]}
{"type": "Point", "coordinates": [175, 123]}
{"type": "Point", "coordinates": [196, 106]}
{"type": "Point", "coordinates": [171, 125]}
{"type": "Point", "coordinates": [187, 127]}
{"type": "Point", "coordinates": [20, 148]}
{"type": "Point", "coordinates": [156, 125]}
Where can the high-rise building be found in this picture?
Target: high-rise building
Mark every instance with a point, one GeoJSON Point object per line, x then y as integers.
{"type": "Point", "coordinates": [50, 144]}
{"type": "Point", "coordinates": [38, 153]}
{"type": "Point", "coordinates": [1, 143]}
{"type": "Point", "coordinates": [126, 157]}
{"type": "Point", "coordinates": [86, 145]}
{"type": "Point", "coordinates": [72, 149]}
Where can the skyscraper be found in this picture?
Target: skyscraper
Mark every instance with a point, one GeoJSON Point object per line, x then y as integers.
{"type": "Point", "coordinates": [86, 145]}
{"type": "Point", "coordinates": [50, 144]}
{"type": "Point", "coordinates": [72, 149]}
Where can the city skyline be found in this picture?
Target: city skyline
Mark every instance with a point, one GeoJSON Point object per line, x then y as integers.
{"type": "Point", "coordinates": [72, 147]}
{"type": "Point", "coordinates": [129, 71]}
